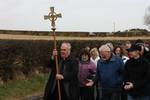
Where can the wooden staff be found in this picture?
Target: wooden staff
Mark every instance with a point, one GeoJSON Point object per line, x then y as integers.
{"type": "Point", "coordinates": [52, 16]}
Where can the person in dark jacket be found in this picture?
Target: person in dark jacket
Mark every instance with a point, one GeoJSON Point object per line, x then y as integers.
{"type": "Point", "coordinates": [137, 76]}
{"type": "Point", "coordinates": [68, 76]}
{"type": "Point", "coordinates": [145, 53]}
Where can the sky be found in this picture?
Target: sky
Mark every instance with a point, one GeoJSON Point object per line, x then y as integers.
{"type": "Point", "coordinates": [77, 15]}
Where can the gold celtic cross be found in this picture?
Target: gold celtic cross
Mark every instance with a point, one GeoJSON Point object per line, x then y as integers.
{"type": "Point", "coordinates": [52, 16]}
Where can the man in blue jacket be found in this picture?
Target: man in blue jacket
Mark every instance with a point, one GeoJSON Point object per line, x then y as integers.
{"type": "Point", "coordinates": [109, 73]}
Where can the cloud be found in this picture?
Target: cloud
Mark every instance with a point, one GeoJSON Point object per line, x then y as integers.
{"type": "Point", "coordinates": [77, 15]}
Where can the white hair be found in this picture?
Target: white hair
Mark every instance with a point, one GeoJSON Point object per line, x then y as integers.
{"type": "Point", "coordinates": [67, 44]}
{"type": "Point", "coordinates": [110, 45]}
{"type": "Point", "coordinates": [104, 48]}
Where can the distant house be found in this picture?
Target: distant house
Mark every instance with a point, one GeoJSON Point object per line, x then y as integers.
{"type": "Point", "coordinates": [92, 34]}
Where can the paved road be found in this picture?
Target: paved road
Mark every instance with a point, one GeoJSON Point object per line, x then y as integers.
{"type": "Point", "coordinates": [40, 97]}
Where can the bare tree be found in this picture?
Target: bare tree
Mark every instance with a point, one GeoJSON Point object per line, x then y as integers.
{"type": "Point", "coordinates": [147, 17]}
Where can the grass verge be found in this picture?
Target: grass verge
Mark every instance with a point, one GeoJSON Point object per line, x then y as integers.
{"type": "Point", "coordinates": [21, 88]}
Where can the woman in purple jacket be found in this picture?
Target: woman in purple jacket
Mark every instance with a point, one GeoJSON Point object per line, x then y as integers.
{"type": "Point", "coordinates": [87, 70]}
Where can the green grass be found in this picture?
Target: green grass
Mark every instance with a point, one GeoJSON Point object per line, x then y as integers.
{"type": "Point", "coordinates": [23, 88]}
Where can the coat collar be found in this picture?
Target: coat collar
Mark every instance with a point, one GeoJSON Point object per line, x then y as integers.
{"type": "Point", "coordinates": [112, 58]}
{"type": "Point", "coordinates": [68, 58]}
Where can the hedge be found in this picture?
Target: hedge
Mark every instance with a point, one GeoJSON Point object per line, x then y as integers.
{"type": "Point", "coordinates": [22, 58]}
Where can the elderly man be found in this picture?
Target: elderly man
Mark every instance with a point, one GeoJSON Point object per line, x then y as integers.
{"type": "Point", "coordinates": [109, 73]}
{"type": "Point", "coordinates": [68, 76]}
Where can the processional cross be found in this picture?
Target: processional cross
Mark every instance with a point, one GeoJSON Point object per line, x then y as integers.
{"type": "Point", "coordinates": [52, 16]}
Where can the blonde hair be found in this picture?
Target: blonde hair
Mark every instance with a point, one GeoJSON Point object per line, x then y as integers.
{"type": "Point", "coordinates": [95, 51]}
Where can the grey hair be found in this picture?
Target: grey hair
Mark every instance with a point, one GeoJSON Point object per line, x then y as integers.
{"type": "Point", "coordinates": [110, 45]}
{"type": "Point", "coordinates": [68, 45]}
{"type": "Point", "coordinates": [104, 48]}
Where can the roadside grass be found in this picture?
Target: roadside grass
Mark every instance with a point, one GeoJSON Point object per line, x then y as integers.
{"type": "Point", "coordinates": [13, 90]}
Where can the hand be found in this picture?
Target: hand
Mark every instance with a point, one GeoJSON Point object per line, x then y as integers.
{"type": "Point", "coordinates": [55, 53]}
{"type": "Point", "coordinates": [128, 86]}
{"type": "Point", "coordinates": [59, 77]}
{"type": "Point", "coordinates": [89, 83]}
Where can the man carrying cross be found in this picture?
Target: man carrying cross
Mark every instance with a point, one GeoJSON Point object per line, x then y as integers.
{"type": "Point", "coordinates": [63, 81]}
{"type": "Point", "coordinates": [67, 76]}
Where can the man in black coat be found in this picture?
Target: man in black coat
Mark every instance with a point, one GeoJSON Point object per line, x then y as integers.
{"type": "Point", "coordinates": [68, 76]}
{"type": "Point", "coordinates": [143, 51]}
{"type": "Point", "coordinates": [137, 75]}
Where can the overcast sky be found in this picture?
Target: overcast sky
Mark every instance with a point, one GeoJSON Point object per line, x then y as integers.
{"type": "Point", "coordinates": [77, 15]}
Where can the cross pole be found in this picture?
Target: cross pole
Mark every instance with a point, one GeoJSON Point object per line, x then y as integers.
{"type": "Point", "coordinates": [52, 16]}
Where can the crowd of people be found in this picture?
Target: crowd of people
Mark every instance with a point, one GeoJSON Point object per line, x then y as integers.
{"type": "Point", "coordinates": [106, 73]}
